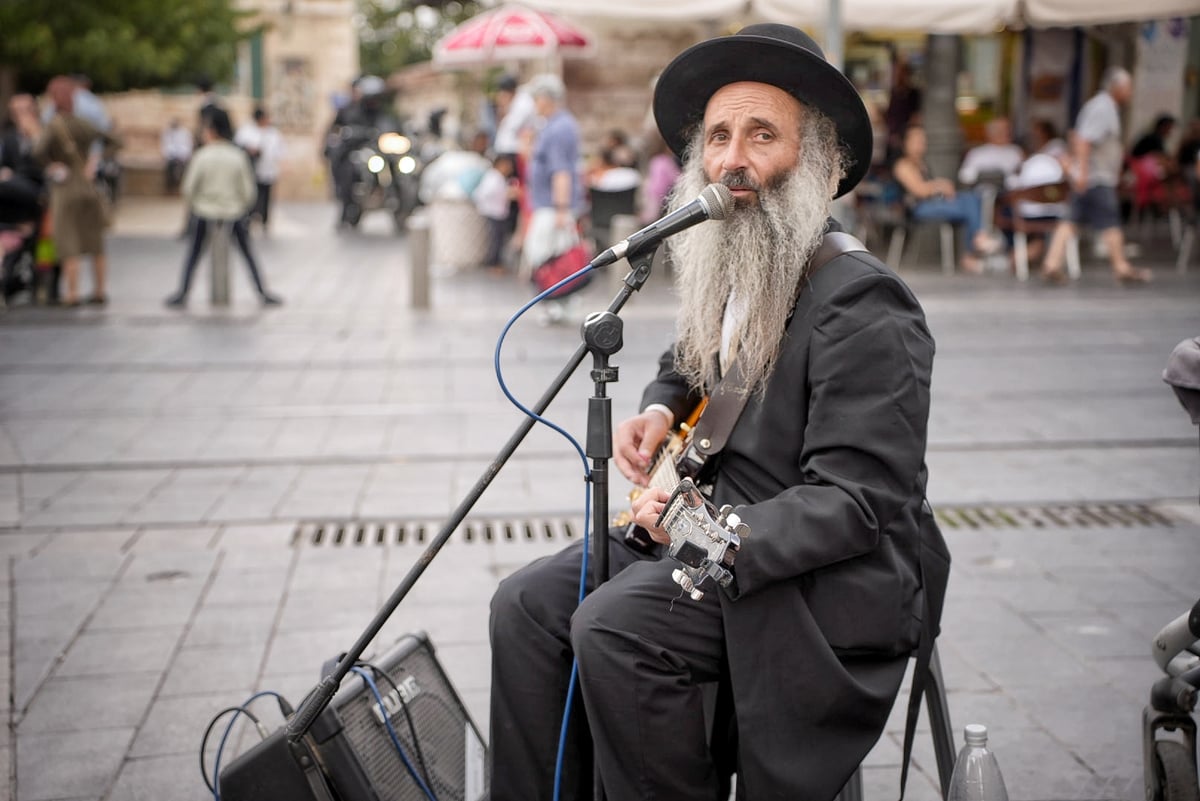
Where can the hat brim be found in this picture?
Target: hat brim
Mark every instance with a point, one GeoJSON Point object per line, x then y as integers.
{"type": "Point", "coordinates": [686, 85]}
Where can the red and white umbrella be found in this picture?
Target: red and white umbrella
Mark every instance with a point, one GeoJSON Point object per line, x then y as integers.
{"type": "Point", "coordinates": [510, 33]}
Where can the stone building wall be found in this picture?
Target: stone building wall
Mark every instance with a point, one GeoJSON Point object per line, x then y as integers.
{"type": "Point", "coordinates": [309, 52]}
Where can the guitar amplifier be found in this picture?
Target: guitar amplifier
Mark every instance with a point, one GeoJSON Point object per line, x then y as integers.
{"type": "Point", "coordinates": [356, 753]}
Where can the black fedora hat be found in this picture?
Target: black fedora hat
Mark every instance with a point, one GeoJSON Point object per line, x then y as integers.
{"type": "Point", "coordinates": [770, 53]}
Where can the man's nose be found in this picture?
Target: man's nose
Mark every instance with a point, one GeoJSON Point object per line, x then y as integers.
{"type": "Point", "coordinates": [734, 156]}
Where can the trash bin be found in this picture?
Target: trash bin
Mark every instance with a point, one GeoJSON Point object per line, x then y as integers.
{"type": "Point", "coordinates": [458, 235]}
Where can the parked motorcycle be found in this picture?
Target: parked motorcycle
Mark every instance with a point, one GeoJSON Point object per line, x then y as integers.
{"type": "Point", "coordinates": [382, 173]}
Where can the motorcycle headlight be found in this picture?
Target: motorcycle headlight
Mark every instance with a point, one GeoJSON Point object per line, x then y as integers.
{"type": "Point", "coordinates": [394, 144]}
{"type": "Point", "coordinates": [407, 165]}
{"type": "Point", "coordinates": [376, 164]}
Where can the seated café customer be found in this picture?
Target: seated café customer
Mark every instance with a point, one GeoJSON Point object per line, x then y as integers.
{"type": "Point", "coordinates": [937, 199]}
{"type": "Point", "coordinates": [1188, 159]}
{"type": "Point", "coordinates": [1044, 138]}
{"type": "Point", "coordinates": [997, 156]}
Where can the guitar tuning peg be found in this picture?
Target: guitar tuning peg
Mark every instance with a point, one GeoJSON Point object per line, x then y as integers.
{"type": "Point", "coordinates": [742, 530]}
{"type": "Point", "coordinates": [697, 595]}
{"type": "Point", "coordinates": [723, 513]}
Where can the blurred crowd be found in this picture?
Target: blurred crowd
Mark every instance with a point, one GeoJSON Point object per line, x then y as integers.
{"type": "Point", "coordinates": [542, 187]}
{"type": "Point", "coordinates": [60, 182]}
{"type": "Point", "coordinates": [542, 191]}
{"type": "Point", "coordinates": [1094, 181]}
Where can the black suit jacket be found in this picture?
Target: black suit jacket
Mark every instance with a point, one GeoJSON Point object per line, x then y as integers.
{"type": "Point", "coordinates": [826, 465]}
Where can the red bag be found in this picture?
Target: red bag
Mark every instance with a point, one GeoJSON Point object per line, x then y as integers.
{"type": "Point", "coordinates": [553, 270]}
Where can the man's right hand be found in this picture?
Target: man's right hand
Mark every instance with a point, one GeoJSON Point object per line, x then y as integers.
{"type": "Point", "coordinates": [635, 442]}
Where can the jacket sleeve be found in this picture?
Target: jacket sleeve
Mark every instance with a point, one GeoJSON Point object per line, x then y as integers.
{"type": "Point", "coordinates": [671, 389]}
{"type": "Point", "coordinates": [869, 364]}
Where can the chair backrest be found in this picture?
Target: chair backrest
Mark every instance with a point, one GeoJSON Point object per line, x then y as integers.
{"type": "Point", "coordinates": [605, 204]}
{"type": "Point", "coordinates": [1042, 193]}
{"type": "Point", "coordinates": [1009, 216]}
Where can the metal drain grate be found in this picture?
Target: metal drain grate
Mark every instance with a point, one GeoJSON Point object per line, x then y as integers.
{"type": "Point", "coordinates": [361, 533]}
{"type": "Point", "coordinates": [1080, 515]}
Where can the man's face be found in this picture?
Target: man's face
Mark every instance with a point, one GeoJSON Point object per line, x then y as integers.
{"type": "Point", "coordinates": [544, 104]}
{"type": "Point", "coordinates": [1122, 90]}
{"type": "Point", "coordinates": [751, 138]}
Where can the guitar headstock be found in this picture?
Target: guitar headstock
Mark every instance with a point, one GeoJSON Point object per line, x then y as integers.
{"type": "Point", "coordinates": [704, 540]}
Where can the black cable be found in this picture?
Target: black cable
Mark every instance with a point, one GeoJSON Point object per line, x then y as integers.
{"type": "Point", "coordinates": [412, 729]}
{"type": "Point", "coordinates": [208, 731]}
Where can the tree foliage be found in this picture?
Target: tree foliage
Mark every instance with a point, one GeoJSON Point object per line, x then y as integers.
{"type": "Point", "coordinates": [120, 44]}
{"type": "Point", "coordinates": [396, 33]}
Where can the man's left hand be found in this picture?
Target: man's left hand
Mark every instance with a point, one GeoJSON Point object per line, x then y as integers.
{"type": "Point", "coordinates": [647, 507]}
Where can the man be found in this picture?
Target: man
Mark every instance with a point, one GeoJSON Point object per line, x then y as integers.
{"type": "Point", "coordinates": [219, 189]}
{"type": "Point", "coordinates": [825, 465]}
{"type": "Point", "coordinates": [176, 146]}
{"type": "Point", "coordinates": [514, 112]}
{"type": "Point", "coordinates": [998, 156]}
{"type": "Point", "coordinates": [358, 124]}
{"type": "Point", "coordinates": [555, 186]}
{"type": "Point", "coordinates": [264, 143]}
{"type": "Point", "coordinates": [1098, 155]}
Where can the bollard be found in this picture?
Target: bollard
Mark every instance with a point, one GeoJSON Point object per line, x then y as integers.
{"type": "Point", "coordinates": [219, 274]}
{"type": "Point", "coordinates": [418, 259]}
{"type": "Point", "coordinates": [620, 227]}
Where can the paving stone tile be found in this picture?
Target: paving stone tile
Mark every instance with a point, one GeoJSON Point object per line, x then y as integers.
{"type": "Point", "coordinates": [175, 724]}
{"type": "Point", "coordinates": [188, 538]}
{"type": "Point", "coordinates": [198, 671]}
{"type": "Point", "coordinates": [114, 652]}
{"type": "Point", "coordinates": [69, 764]}
{"type": "Point", "coordinates": [91, 702]}
{"type": "Point", "coordinates": [157, 778]}
{"type": "Point", "coordinates": [138, 607]}
{"type": "Point", "coordinates": [231, 625]}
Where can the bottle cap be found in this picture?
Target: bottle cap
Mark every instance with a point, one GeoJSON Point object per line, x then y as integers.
{"type": "Point", "coordinates": [975, 734]}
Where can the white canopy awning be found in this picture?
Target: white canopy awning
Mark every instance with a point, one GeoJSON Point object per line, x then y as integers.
{"type": "Point", "coordinates": [1068, 13]}
{"type": "Point", "coordinates": [646, 10]}
{"type": "Point", "coordinates": [935, 16]}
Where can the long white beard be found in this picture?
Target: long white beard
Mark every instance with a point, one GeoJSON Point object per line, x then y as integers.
{"type": "Point", "coordinates": [759, 254]}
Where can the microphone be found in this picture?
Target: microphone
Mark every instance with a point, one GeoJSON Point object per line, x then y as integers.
{"type": "Point", "coordinates": [714, 203]}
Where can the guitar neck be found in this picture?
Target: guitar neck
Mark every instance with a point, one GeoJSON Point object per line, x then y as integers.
{"type": "Point", "coordinates": [664, 474]}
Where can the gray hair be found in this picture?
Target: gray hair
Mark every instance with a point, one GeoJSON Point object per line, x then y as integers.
{"type": "Point", "coordinates": [547, 85]}
{"type": "Point", "coordinates": [1115, 76]}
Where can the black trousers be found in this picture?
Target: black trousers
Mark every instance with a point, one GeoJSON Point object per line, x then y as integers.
{"type": "Point", "coordinates": [262, 203]}
{"type": "Point", "coordinates": [200, 229]}
{"type": "Point", "coordinates": [643, 649]}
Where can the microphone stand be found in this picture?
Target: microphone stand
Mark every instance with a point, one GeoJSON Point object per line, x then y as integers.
{"type": "Point", "coordinates": [602, 335]}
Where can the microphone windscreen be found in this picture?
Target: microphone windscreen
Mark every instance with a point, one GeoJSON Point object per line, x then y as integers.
{"type": "Point", "coordinates": [719, 199]}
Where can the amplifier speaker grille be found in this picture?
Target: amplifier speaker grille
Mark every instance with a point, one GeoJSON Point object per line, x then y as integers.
{"type": "Point", "coordinates": [358, 752]}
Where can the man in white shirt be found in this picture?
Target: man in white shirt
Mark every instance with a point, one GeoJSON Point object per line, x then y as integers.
{"type": "Point", "coordinates": [176, 147]}
{"type": "Point", "coordinates": [998, 155]}
{"type": "Point", "coordinates": [264, 143]}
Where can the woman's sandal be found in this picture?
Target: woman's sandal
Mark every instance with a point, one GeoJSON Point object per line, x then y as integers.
{"type": "Point", "coordinates": [1055, 277]}
{"type": "Point", "coordinates": [1135, 275]}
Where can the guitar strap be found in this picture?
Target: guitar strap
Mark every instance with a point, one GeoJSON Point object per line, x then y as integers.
{"type": "Point", "coordinates": [728, 399]}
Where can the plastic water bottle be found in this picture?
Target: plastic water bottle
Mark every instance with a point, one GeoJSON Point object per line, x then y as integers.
{"type": "Point", "coordinates": [976, 774]}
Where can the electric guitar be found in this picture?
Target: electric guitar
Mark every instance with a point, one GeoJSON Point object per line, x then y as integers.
{"type": "Point", "coordinates": [704, 539]}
